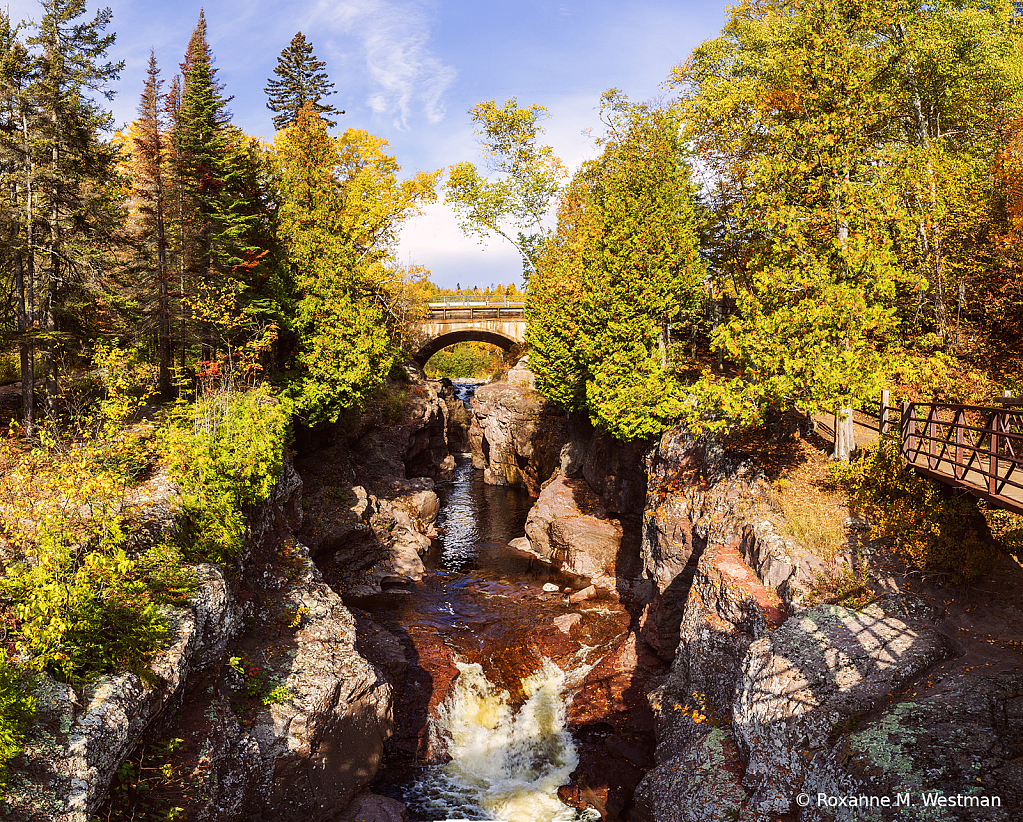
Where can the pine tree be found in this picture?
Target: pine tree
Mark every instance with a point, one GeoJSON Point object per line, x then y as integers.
{"type": "Point", "coordinates": [302, 80]}
{"type": "Point", "coordinates": [74, 163]}
{"type": "Point", "coordinates": [148, 156]}
{"type": "Point", "coordinates": [209, 167]}
{"type": "Point", "coordinates": [16, 67]}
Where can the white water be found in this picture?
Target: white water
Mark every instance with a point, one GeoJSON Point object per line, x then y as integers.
{"type": "Point", "coordinates": [505, 765]}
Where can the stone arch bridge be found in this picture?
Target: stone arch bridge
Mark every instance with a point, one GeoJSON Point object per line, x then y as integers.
{"type": "Point", "coordinates": [496, 320]}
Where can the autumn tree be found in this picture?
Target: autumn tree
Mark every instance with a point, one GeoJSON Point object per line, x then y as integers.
{"type": "Point", "coordinates": [529, 175]}
{"type": "Point", "coordinates": [340, 207]}
{"type": "Point", "coordinates": [784, 108]}
{"type": "Point", "coordinates": [147, 167]}
{"type": "Point", "coordinates": [301, 81]}
{"type": "Point", "coordinates": [951, 74]}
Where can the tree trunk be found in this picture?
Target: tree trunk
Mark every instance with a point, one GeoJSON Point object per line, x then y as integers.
{"type": "Point", "coordinates": [24, 349]}
{"type": "Point", "coordinates": [49, 317]}
{"type": "Point", "coordinates": [26, 290]}
{"type": "Point", "coordinates": [845, 441]}
{"type": "Point", "coordinates": [163, 277]}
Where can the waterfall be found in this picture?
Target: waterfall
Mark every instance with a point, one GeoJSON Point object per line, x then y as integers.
{"type": "Point", "coordinates": [505, 764]}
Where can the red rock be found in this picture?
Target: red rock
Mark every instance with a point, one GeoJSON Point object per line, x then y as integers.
{"type": "Point", "coordinates": [566, 622]}
{"type": "Point", "coordinates": [581, 596]}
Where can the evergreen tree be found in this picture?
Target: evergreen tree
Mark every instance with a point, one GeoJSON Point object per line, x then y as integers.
{"type": "Point", "coordinates": [302, 80]}
{"type": "Point", "coordinates": [210, 162]}
{"type": "Point", "coordinates": [147, 161]}
{"type": "Point", "coordinates": [16, 168]}
{"type": "Point", "coordinates": [621, 272]}
{"type": "Point", "coordinates": [73, 163]}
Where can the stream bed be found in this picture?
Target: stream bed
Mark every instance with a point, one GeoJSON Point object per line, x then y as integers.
{"type": "Point", "coordinates": [480, 706]}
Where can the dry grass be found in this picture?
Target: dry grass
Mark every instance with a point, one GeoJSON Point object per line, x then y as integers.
{"type": "Point", "coordinates": [803, 503]}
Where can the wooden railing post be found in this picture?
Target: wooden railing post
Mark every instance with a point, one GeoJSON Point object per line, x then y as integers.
{"type": "Point", "coordinates": [992, 460]}
{"type": "Point", "coordinates": [882, 423]}
{"type": "Point", "coordinates": [908, 427]}
{"type": "Point", "coordinates": [959, 421]}
{"type": "Point", "coordinates": [932, 435]}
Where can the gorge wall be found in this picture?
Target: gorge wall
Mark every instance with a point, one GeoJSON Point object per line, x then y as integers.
{"type": "Point", "coordinates": [766, 709]}
{"type": "Point", "coordinates": [276, 713]}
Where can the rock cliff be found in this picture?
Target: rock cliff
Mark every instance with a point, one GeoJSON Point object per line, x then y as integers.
{"type": "Point", "coordinates": [770, 705]}
{"type": "Point", "coordinates": [275, 713]}
{"type": "Point", "coordinates": [767, 704]}
{"type": "Point", "coordinates": [515, 435]}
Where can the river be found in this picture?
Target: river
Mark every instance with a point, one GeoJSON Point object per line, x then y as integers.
{"type": "Point", "coordinates": [496, 746]}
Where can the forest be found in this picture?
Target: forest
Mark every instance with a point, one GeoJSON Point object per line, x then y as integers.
{"type": "Point", "coordinates": [831, 199]}
{"type": "Point", "coordinates": [827, 201]}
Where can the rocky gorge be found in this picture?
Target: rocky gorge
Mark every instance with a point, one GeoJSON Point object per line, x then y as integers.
{"type": "Point", "coordinates": [700, 683]}
{"type": "Point", "coordinates": [769, 709]}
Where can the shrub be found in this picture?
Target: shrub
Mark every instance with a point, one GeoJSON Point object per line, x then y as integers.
{"type": "Point", "coordinates": [225, 452]}
{"type": "Point", "coordinates": [82, 616]}
{"type": "Point", "coordinates": [17, 708]}
{"type": "Point", "coordinates": [929, 528]}
{"type": "Point", "coordinates": [84, 607]}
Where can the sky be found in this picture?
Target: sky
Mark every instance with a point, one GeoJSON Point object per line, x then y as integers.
{"type": "Point", "coordinates": [410, 70]}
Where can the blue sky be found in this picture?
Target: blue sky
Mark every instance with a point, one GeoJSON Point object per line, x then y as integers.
{"type": "Point", "coordinates": [410, 70]}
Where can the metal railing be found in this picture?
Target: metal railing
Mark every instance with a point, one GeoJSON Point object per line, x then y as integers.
{"type": "Point", "coordinates": [469, 307]}
{"type": "Point", "coordinates": [470, 301]}
{"type": "Point", "coordinates": [975, 447]}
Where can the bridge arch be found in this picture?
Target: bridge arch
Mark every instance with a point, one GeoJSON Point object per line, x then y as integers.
{"type": "Point", "coordinates": [443, 340]}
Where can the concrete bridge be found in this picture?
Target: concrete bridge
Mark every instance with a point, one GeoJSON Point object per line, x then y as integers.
{"type": "Point", "coordinates": [495, 320]}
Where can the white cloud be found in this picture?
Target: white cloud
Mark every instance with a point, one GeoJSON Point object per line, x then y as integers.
{"type": "Point", "coordinates": [405, 77]}
{"type": "Point", "coordinates": [434, 239]}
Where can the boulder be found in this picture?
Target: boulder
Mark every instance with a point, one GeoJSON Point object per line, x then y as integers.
{"type": "Point", "coordinates": [519, 374]}
{"type": "Point", "coordinates": [697, 496]}
{"type": "Point", "coordinates": [319, 747]}
{"type": "Point", "coordinates": [568, 528]}
{"type": "Point", "coordinates": [515, 436]}
{"type": "Point", "coordinates": [958, 735]}
{"type": "Point", "coordinates": [803, 684]}
{"type": "Point", "coordinates": [701, 783]}
{"type": "Point", "coordinates": [369, 807]}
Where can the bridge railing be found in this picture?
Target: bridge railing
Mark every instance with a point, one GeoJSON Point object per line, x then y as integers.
{"type": "Point", "coordinates": [975, 447]}
{"type": "Point", "coordinates": [476, 308]}
{"type": "Point", "coordinates": [470, 301]}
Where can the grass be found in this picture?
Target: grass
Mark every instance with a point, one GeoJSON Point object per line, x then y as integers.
{"type": "Point", "coordinates": [847, 588]}
{"type": "Point", "coordinates": [804, 503]}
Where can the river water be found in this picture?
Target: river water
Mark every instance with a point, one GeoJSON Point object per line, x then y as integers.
{"type": "Point", "coordinates": [499, 747]}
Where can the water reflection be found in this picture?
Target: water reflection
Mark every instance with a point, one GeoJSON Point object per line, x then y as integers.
{"type": "Point", "coordinates": [473, 515]}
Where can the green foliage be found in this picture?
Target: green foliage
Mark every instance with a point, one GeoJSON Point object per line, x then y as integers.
{"type": "Point", "coordinates": [257, 686]}
{"type": "Point", "coordinates": [82, 616]}
{"type": "Point", "coordinates": [225, 451]}
{"type": "Point", "coordinates": [514, 205]}
{"type": "Point", "coordinates": [345, 355]}
{"type": "Point", "coordinates": [622, 272]}
{"type": "Point", "coordinates": [931, 530]}
{"type": "Point", "coordinates": [301, 81]}
{"type": "Point", "coordinates": [463, 361]}
{"type": "Point", "coordinates": [341, 204]}
{"type": "Point", "coordinates": [84, 606]}
{"type": "Point", "coordinates": [17, 707]}
{"type": "Point", "coordinates": [851, 145]}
